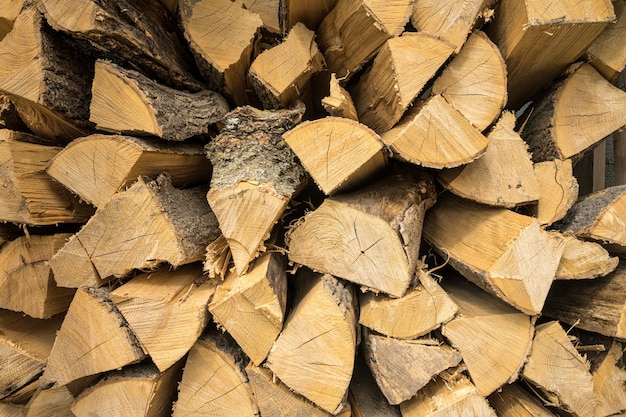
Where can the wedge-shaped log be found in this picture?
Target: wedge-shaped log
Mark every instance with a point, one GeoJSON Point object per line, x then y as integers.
{"type": "Point", "coordinates": [512, 400]}
{"type": "Point", "coordinates": [55, 401]}
{"type": "Point", "coordinates": [608, 379]}
{"type": "Point", "coordinates": [309, 13]}
{"type": "Point", "coordinates": [269, 11]}
{"type": "Point", "coordinates": [491, 359]}
{"type": "Point", "coordinates": [516, 260]}
{"type": "Point", "coordinates": [365, 397]}
{"type": "Point", "coordinates": [97, 166]}
{"type": "Point", "coordinates": [574, 115]}
{"type": "Point", "coordinates": [315, 357]}
{"type": "Point", "coordinates": [435, 135]}
{"type": "Point", "coordinates": [400, 71]}
{"type": "Point", "coordinates": [607, 53]}
{"type": "Point", "coordinates": [93, 338]}
{"type": "Point", "coordinates": [160, 223]}
{"type": "Point", "coordinates": [354, 31]}
{"type": "Point", "coordinates": [559, 190]}
{"type": "Point", "coordinates": [339, 103]}
{"type": "Point", "coordinates": [370, 236]}
{"type": "Point", "coordinates": [166, 310]}
{"type": "Point", "coordinates": [584, 260]}
{"type": "Point", "coordinates": [557, 369]}
{"type": "Point", "coordinates": [503, 176]}
{"type": "Point", "coordinates": [8, 14]}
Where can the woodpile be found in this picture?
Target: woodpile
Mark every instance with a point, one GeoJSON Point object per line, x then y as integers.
{"type": "Point", "coordinates": [284, 208]}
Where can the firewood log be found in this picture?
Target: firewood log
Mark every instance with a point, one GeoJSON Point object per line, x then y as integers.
{"type": "Point", "coordinates": [559, 190]}
{"type": "Point", "coordinates": [584, 260]}
{"type": "Point", "coordinates": [11, 410]}
{"type": "Point", "coordinates": [311, 14]}
{"type": "Point", "coordinates": [9, 116]}
{"type": "Point", "coordinates": [512, 400]}
{"type": "Point", "coordinates": [339, 103]}
{"type": "Point", "coordinates": [269, 11]}
{"type": "Point", "coordinates": [607, 53]}
{"type": "Point", "coordinates": [608, 379]}
{"type": "Point", "coordinates": [56, 401]}
{"type": "Point", "coordinates": [9, 10]}
{"type": "Point", "coordinates": [365, 397]}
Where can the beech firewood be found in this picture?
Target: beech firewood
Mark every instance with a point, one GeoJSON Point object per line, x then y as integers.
{"type": "Point", "coordinates": [557, 369]}
{"type": "Point", "coordinates": [9, 10]}
{"type": "Point", "coordinates": [516, 260]}
{"type": "Point", "coordinates": [314, 354]}
{"type": "Point", "coordinates": [166, 310]}
{"type": "Point", "coordinates": [29, 195]}
{"type": "Point", "coordinates": [608, 380]}
{"type": "Point", "coordinates": [354, 31]}
{"type": "Point", "coordinates": [339, 103]}
{"type": "Point", "coordinates": [365, 397]}
{"type": "Point", "coordinates": [93, 338]}
{"type": "Point", "coordinates": [511, 400]}
{"type": "Point", "coordinates": [532, 35]}
{"type": "Point", "coordinates": [255, 174]}
{"type": "Point", "coordinates": [493, 338]}
{"type": "Point", "coordinates": [160, 223]}
{"type": "Point", "coordinates": [558, 190]}
{"type": "Point", "coordinates": [26, 282]}
{"type": "Point", "coordinates": [338, 153]}
{"type": "Point", "coordinates": [503, 176]}
{"type": "Point", "coordinates": [9, 116]}
{"type": "Point", "coordinates": [370, 236]}
{"type": "Point", "coordinates": [584, 260]}
{"type": "Point", "coordinates": [222, 35]}
{"type": "Point", "coordinates": [607, 53]}
{"type": "Point", "coordinates": [311, 14]}
{"type": "Point", "coordinates": [400, 71]}
{"type": "Point", "coordinates": [435, 135]}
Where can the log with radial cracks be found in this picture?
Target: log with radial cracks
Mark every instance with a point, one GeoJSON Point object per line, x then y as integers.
{"type": "Point", "coordinates": [559, 190]}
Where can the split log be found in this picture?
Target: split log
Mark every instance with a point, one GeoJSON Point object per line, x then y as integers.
{"type": "Point", "coordinates": [311, 14]}
{"type": "Point", "coordinates": [607, 53]}
{"type": "Point", "coordinates": [9, 116]}
{"type": "Point", "coordinates": [435, 135]}
{"type": "Point", "coordinates": [269, 11]}
{"type": "Point", "coordinates": [365, 397]}
{"type": "Point", "coordinates": [400, 71]}
{"type": "Point", "coordinates": [56, 401]}
{"type": "Point", "coordinates": [512, 400]}
{"type": "Point", "coordinates": [584, 260]}
{"type": "Point", "coordinates": [370, 236]}
{"type": "Point", "coordinates": [339, 103]}
{"type": "Point", "coordinates": [559, 190]}
{"type": "Point", "coordinates": [338, 153]}
{"type": "Point", "coordinates": [503, 176]}
{"type": "Point", "coordinates": [8, 13]}
{"type": "Point", "coordinates": [255, 174]}
{"type": "Point", "coordinates": [516, 260]}
{"type": "Point", "coordinates": [314, 354]}
{"type": "Point", "coordinates": [160, 223]}
{"type": "Point", "coordinates": [558, 370]}
{"type": "Point", "coordinates": [97, 166]}
{"type": "Point", "coordinates": [493, 338]}
{"type": "Point", "coordinates": [126, 101]}
{"type": "Point", "coordinates": [608, 380]}
{"type": "Point", "coordinates": [11, 410]}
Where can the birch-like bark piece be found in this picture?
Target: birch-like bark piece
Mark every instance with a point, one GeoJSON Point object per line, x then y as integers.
{"type": "Point", "coordinates": [607, 53]}
{"type": "Point", "coordinates": [559, 190]}
{"type": "Point", "coordinates": [584, 260]}
{"type": "Point", "coordinates": [511, 400]}
{"type": "Point", "coordinates": [339, 103]}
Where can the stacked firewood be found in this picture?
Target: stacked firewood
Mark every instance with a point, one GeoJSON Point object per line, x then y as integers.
{"type": "Point", "coordinates": [288, 208]}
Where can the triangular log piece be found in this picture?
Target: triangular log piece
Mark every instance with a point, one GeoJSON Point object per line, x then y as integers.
{"type": "Point", "coordinates": [269, 11]}
{"type": "Point", "coordinates": [281, 74]}
{"type": "Point", "coordinates": [609, 377]}
{"type": "Point", "coordinates": [516, 259]}
{"type": "Point", "coordinates": [574, 115]}
{"type": "Point", "coordinates": [402, 367]}
{"type": "Point", "coordinates": [584, 260]}
{"type": "Point", "coordinates": [8, 13]}
{"type": "Point", "coordinates": [400, 71]}
{"type": "Point", "coordinates": [255, 174]}
{"type": "Point", "coordinates": [512, 400]}
{"type": "Point", "coordinates": [222, 34]}
{"type": "Point", "coordinates": [607, 53]}
{"type": "Point", "coordinates": [339, 153]}
{"type": "Point", "coordinates": [56, 401]}
{"type": "Point", "coordinates": [558, 187]}
{"type": "Point", "coordinates": [214, 381]}
{"type": "Point", "coordinates": [138, 390]}
{"type": "Point", "coordinates": [503, 176]}
{"type": "Point", "coordinates": [339, 103]}
{"type": "Point", "coordinates": [365, 397]}
{"type": "Point", "coordinates": [447, 395]}
{"type": "Point", "coordinates": [25, 344]}
{"type": "Point", "coordinates": [310, 13]}
{"type": "Point", "coordinates": [595, 305]}
{"type": "Point", "coordinates": [126, 101]}
{"type": "Point", "coordinates": [251, 306]}
{"type": "Point", "coordinates": [166, 310]}
{"type": "Point", "coordinates": [141, 31]}
{"type": "Point", "coordinates": [493, 338]}
{"type": "Point", "coordinates": [532, 35]}
{"type": "Point", "coordinates": [26, 281]}
{"type": "Point", "coordinates": [435, 135]}
{"type": "Point", "coordinates": [559, 372]}
{"type": "Point", "coordinates": [29, 195]}
{"type": "Point", "coordinates": [93, 338]}
{"type": "Point", "coordinates": [370, 236]}
{"type": "Point", "coordinates": [474, 82]}
{"type": "Point", "coordinates": [354, 30]}
{"type": "Point", "coordinates": [314, 354]}
{"type": "Point", "coordinates": [97, 166]}
{"type": "Point", "coordinates": [421, 309]}
{"type": "Point", "coordinates": [160, 223]}
{"type": "Point", "coordinates": [9, 116]}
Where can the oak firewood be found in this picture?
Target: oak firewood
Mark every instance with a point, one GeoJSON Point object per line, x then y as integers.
{"type": "Point", "coordinates": [338, 153]}
{"type": "Point", "coordinates": [251, 306]}
{"type": "Point", "coordinates": [255, 174]}
{"type": "Point", "coordinates": [9, 10]}
{"type": "Point", "coordinates": [9, 116]}
{"type": "Point", "coordinates": [532, 38]}
{"type": "Point", "coordinates": [166, 310]}
{"type": "Point", "coordinates": [516, 260]}
{"type": "Point", "coordinates": [559, 190]}
{"type": "Point", "coordinates": [93, 338]}
{"type": "Point", "coordinates": [314, 354]}
{"type": "Point", "coordinates": [503, 176]}
{"type": "Point", "coordinates": [354, 31]}
{"type": "Point", "coordinates": [311, 14]}
{"type": "Point", "coordinates": [493, 338]}
{"type": "Point", "coordinates": [370, 236]}
{"type": "Point", "coordinates": [160, 223]}
{"type": "Point", "coordinates": [365, 397]}
{"type": "Point", "coordinates": [339, 103]}
{"type": "Point", "coordinates": [435, 135]}
{"type": "Point", "coordinates": [574, 115]}
{"type": "Point", "coordinates": [29, 195]}
{"type": "Point", "coordinates": [511, 400]}
{"type": "Point", "coordinates": [26, 281]}
{"type": "Point", "coordinates": [557, 369]}
{"type": "Point", "coordinates": [584, 260]}
{"type": "Point", "coordinates": [608, 380]}
{"type": "Point", "coordinates": [222, 35]}
{"type": "Point", "coordinates": [607, 53]}
{"type": "Point", "coordinates": [400, 71]}
{"type": "Point", "coordinates": [126, 101]}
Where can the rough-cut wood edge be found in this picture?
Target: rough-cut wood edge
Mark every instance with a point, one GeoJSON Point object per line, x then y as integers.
{"type": "Point", "coordinates": [584, 260]}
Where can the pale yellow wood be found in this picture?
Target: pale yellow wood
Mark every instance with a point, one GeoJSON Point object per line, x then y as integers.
{"type": "Point", "coordinates": [365, 397]}
{"type": "Point", "coordinates": [339, 103]}
{"type": "Point", "coordinates": [310, 13]}
{"type": "Point", "coordinates": [9, 10]}
{"type": "Point", "coordinates": [559, 190]}
{"type": "Point", "coordinates": [269, 10]}
{"type": "Point", "coordinates": [608, 382]}
{"type": "Point", "coordinates": [52, 402]}
{"type": "Point", "coordinates": [11, 410]}
{"type": "Point", "coordinates": [607, 53]}
{"type": "Point", "coordinates": [584, 260]}
{"type": "Point", "coordinates": [512, 400]}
